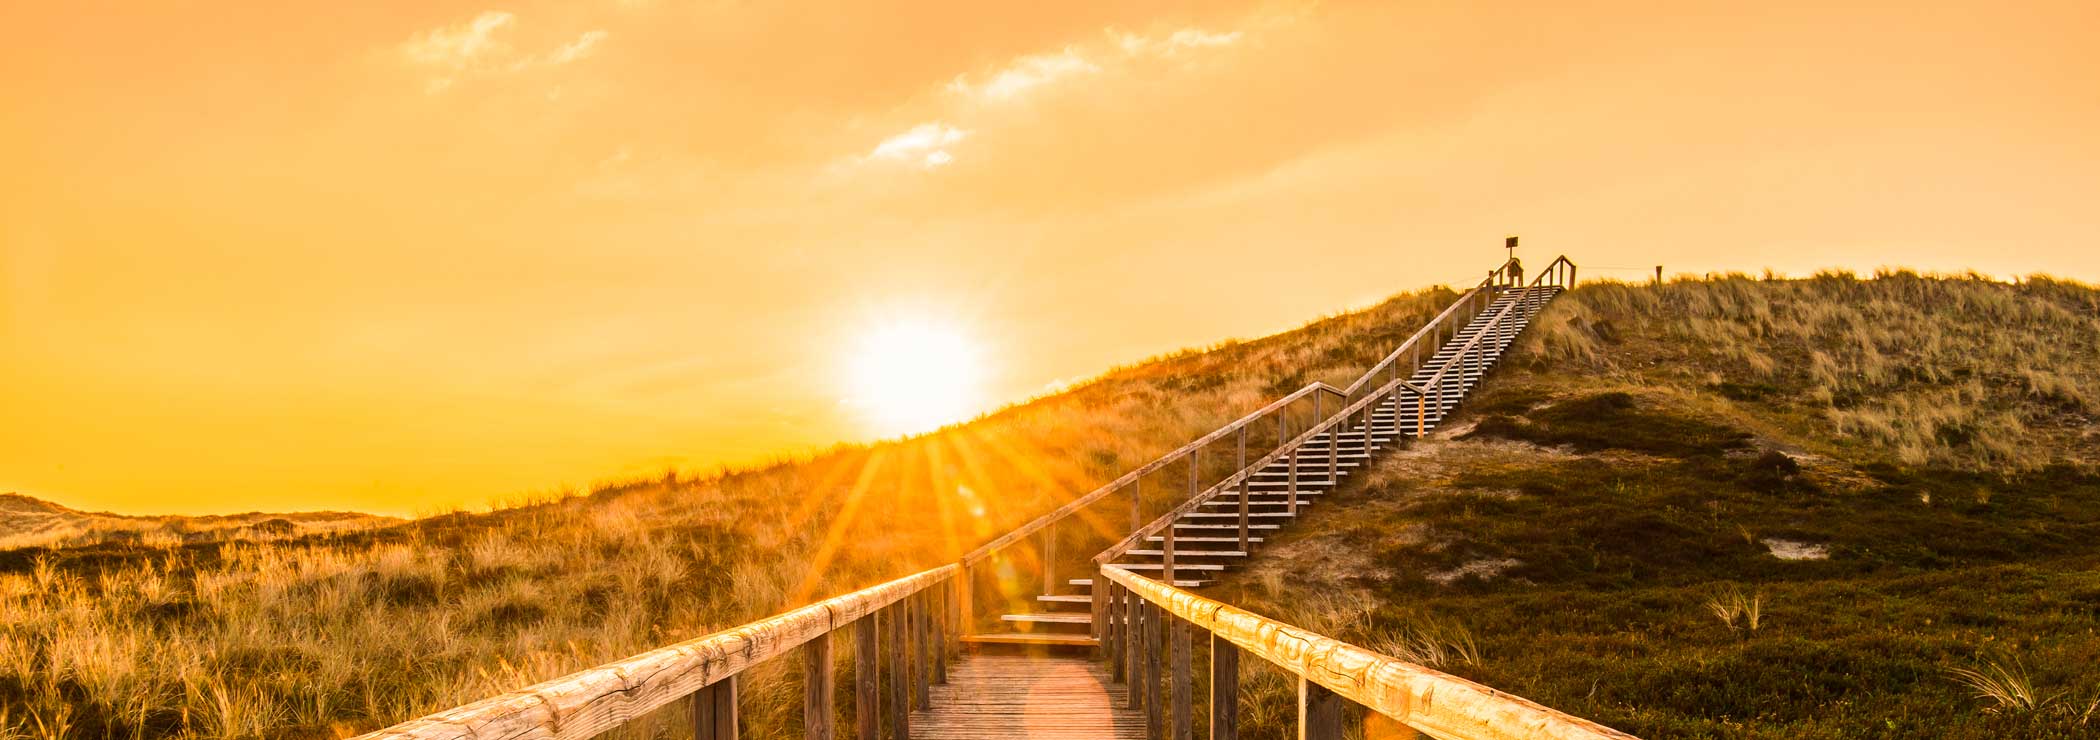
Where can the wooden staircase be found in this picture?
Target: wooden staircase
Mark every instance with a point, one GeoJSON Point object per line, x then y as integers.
{"type": "Point", "coordinates": [1215, 537]}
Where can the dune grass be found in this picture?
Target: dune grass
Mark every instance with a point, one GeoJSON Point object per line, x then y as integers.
{"type": "Point", "coordinates": [1744, 508]}
{"type": "Point", "coordinates": [328, 636]}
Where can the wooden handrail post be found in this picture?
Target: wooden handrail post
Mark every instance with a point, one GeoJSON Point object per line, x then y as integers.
{"type": "Point", "coordinates": [937, 599]}
{"type": "Point", "coordinates": [965, 614]}
{"type": "Point", "coordinates": [915, 647]}
{"type": "Point", "coordinates": [1048, 549]}
{"type": "Point", "coordinates": [867, 689]}
{"type": "Point", "coordinates": [1184, 682]}
{"type": "Point", "coordinates": [1291, 500]}
{"type": "Point", "coordinates": [1166, 555]}
{"type": "Point", "coordinates": [1244, 480]}
{"type": "Point", "coordinates": [1109, 617]}
{"type": "Point", "coordinates": [1319, 712]}
{"type": "Point", "coordinates": [922, 614]}
{"type": "Point", "coordinates": [1153, 687]}
{"type": "Point", "coordinates": [1133, 648]}
{"type": "Point", "coordinates": [1224, 689]}
{"type": "Point", "coordinates": [900, 691]}
{"type": "Point", "coordinates": [817, 688]}
{"type": "Point", "coordinates": [714, 710]}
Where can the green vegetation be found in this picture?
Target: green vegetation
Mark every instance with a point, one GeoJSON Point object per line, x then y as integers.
{"type": "Point", "coordinates": [1824, 508]}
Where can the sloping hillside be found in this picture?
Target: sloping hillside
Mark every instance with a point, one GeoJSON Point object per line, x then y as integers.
{"type": "Point", "coordinates": [27, 521]}
{"type": "Point", "coordinates": [1735, 507]}
{"type": "Point", "coordinates": [329, 635]}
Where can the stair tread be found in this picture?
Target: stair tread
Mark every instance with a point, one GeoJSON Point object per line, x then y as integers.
{"type": "Point", "coordinates": [1030, 638]}
{"type": "Point", "coordinates": [1053, 617]}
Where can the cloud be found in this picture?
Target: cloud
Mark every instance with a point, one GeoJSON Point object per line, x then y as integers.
{"type": "Point", "coordinates": [476, 48]}
{"type": "Point", "coordinates": [927, 144]}
{"type": "Point", "coordinates": [1027, 73]}
{"type": "Point", "coordinates": [1173, 44]}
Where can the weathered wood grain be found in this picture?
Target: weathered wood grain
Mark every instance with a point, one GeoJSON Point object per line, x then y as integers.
{"type": "Point", "coordinates": [1011, 697]}
{"type": "Point", "coordinates": [1437, 703]}
{"type": "Point", "coordinates": [594, 700]}
{"type": "Point", "coordinates": [714, 711]}
{"type": "Point", "coordinates": [818, 685]}
{"type": "Point", "coordinates": [867, 687]}
{"type": "Point", "coordinates": [1224, 689]}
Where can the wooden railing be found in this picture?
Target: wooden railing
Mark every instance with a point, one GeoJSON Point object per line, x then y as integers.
{"type": "Point", "coordinates": [1326, 402]}
{"type": "Point", "coordinates": [1157, 670]}
{"type": "Point", "coordinates": [899, 628]}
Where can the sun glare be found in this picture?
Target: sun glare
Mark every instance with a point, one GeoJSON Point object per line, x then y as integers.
{"type": "Point", "coordinates": [910, 377]}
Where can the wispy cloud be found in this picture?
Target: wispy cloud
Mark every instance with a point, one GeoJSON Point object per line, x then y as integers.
{"type": "Point", "coordinates": [1027, 73]}
{"type": "Point", "coordinates": [476, 48]}
{"type": "Point", "coordinates": [925, 144]}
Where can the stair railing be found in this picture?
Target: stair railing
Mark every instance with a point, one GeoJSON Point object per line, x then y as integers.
{"type": "Point", "coordinates": [900, 627]}
{"type": "Point", "coordinates": [1425, 342]}
{"type": "Point", "coordinates": [1471, 357]}
{"type": "Point", "coordinates": [1157, 671]}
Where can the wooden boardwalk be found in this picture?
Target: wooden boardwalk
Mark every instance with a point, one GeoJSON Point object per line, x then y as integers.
{"type": "Point", "coordinates": [1012, 697]}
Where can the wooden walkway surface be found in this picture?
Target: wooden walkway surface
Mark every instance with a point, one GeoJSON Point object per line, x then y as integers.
{"type": "Point", "coordinates": [1014, 697]}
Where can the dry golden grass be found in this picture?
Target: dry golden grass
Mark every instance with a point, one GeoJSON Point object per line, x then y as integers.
{"type": "Point", "coordinates": [1956, 371]}
{"type": "Point", "coordinates": [327, 636]}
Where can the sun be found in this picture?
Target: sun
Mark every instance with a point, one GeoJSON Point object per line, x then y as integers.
{"type": "Point", "coordinates": [914, 376]}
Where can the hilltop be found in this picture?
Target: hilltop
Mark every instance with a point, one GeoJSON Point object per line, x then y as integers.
{"type": "Point", "coordinates": [1748, 508]}
{"type": "Point", "coordinates": [27, 521]}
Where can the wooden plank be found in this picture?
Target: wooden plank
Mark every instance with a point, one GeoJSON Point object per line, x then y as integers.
{"type": "Point", "coordinates": [714, 711]}
{"type": "Point", "coordinates": [867, 690]}
{"type": "Point", "coordinates": [1224, 689]}
{"type": "Point", "coordinates": [1437, 703]}
{"type": "Point", "coordinates": [1319, 712]}
{"type": "Point", "coordinates": [591, 701]}
{"type": "Point", "coordinates": [921, 650]}
{"type": "Point", "coordinates": [939, 610]}
{"type": "Point", "coordinates": [818, 686]}
{"type": "Point", "coordinates": [1153, 671]}
{"type": "Point", "coordinates": [1005, 697]}
{"type": "Point", "coordinates": [893, 652]}
{"type": "Point", "coordinates": [1184, 680]}
{"type": "Point", "coordinates": [1133, 642]}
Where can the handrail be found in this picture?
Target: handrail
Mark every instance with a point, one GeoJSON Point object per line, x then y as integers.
{"type": "Point", "coordinates": [1311, 432]}
{"type": "Point", "coordinates": [985, 550]}
{"type": "Point", "coordinates": [1073, 506]}
{"type": "Point", "coordinates": [591, 701]}
{"type": "Point", "coordinates": [1433, 702]}
{"type": "Point", "coordinates": [1436, 382]}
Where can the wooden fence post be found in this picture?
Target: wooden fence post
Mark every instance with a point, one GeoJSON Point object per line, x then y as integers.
{"type": "Point", "coordinates": [1134, 649]}
{"type": "Point", "coordinates": [1137, 501]}
{"type": "Point", "coordinates": [1109, 616]}
{"type": "Point", "coordinates": [1319, 712]}
{"type": "Point", "coordinates": [938, 598]}
{"type": "Point", "coordinates": [1166, 555]}
{"type": "Point", "coordinates": [1153, 688]}
{"type": "Point", "coordinates": [900, 679]}
{"type": "Point", "coordinates": [867, 690]}
{"type": "Point", "coordinates": [1049, 553]}
{"type": "Point", "coordinates": [714, 711]}
{"type": "Point", "coordinates": [965, 614]}
{"type": "Point", "coordinates": [920, 640]}
{"type": "Point", "coordinates": [817, 688]}
{"type": "Point", "coordinates": [1224, 689]}
{"type": "Point", "coordinates": [1184, 681]}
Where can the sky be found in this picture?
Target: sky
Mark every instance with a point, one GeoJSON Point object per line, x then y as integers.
{"type": "Point", "coordinates": [403, 257]}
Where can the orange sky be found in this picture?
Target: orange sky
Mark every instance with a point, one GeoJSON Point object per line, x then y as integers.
{"type": "Point", "coordinates": [398, 256]}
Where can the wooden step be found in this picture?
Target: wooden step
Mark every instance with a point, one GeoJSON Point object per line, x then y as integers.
{"type": "Point", "coordinates": [1067, 598]}
{"type": "Point", "coordinates": [1048, 639]}
{"type": "Point", "coordinates": [1054, 617]}
{"type": "Point", "coordinates": [1250, 515]}
{"type": "Point", "coordinates": [1178, 539]}
{"type": "Point", "coordinates": [1178, 582]}
{"type": "Point", "coordinates": [1178, 567]}
{"type": "Point", "coordinates": [1180, 553]}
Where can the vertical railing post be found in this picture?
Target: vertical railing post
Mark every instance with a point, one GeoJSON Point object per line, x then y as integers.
{"type": "Point", "coordinates": [817, 688]}
{"type": "Point", "coordinates": [1166, 554]}
{"type": "Point", "coordinates": [1048, 550]}
{"type": "Point", "coordinates": [965, 614]}
{"type": "Point", "coordinates": [893, 651]}
{"type": "Point", "coordinates": [1224, 689]}
{"type": "Point", "coordinates": [1109, 615]}
{"type": "Point", "coordinates": [1319, 712]}
{"type": "Point", "coordinates": [1134, 649]}
{"type": "Point", "coordinates": [1246, 479]}
{"type": "Point", "coordinates": [1291, 487]}
{"type": "Point", "coordinates": [867, 687]}
{"type": "Point", "coordinates": [1154, 689]}
{"type": "Point", "coordinates": [937, 601]}
{"type": "Point", "coordinates": [714, 710]}
{"type": "Point", "coordinates": [1184, 682]}
{"type": "Point", "coordinates": [921, 672]}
